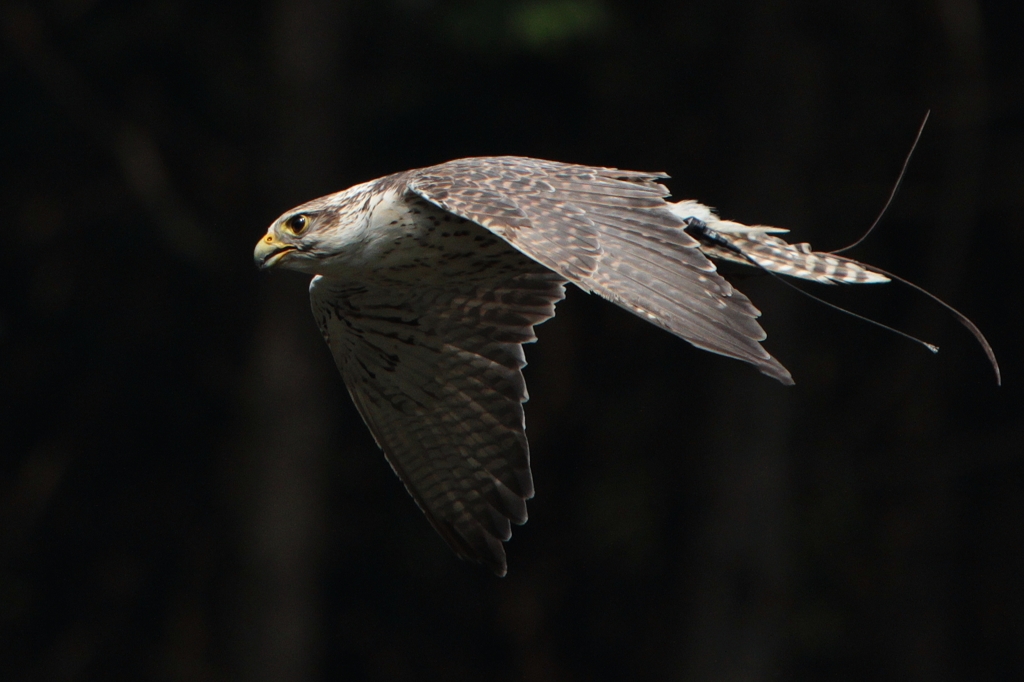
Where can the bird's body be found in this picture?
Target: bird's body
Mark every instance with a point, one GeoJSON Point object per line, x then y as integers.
{"type": "Point", "coordinates": [429, 281]}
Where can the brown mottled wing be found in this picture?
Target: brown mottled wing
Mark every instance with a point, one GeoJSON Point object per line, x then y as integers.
{"type": "Point", "coordinates": [436, 375]}
{"type": "Point", "coordinates": [608, 231]}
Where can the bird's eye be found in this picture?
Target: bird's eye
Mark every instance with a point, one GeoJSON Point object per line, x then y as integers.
{"type": "Point", "coordinates": [297, 224]}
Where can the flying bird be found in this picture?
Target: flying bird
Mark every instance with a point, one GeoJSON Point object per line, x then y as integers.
{"type": "Point", "coordinates": [428, 282]}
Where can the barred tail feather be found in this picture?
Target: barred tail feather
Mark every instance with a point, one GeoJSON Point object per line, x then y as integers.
{"type": "Point", "coordinates": [760, 244]}
{"type": "Point", "coordinates": [795, 260]}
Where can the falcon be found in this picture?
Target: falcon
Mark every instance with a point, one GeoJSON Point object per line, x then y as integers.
{"type": "Point", "coordinates": [428, 282]}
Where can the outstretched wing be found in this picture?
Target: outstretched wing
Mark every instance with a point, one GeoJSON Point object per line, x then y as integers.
{"type": "Point", "coordinates": [436, 375]}
{"type": "Point", "coordinates": [608, 231]}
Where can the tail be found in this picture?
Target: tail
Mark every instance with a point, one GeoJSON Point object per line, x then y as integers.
{"type": "Point", "coordinates": [758, 243]}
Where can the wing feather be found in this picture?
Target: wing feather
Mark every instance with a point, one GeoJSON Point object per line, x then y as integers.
{"type": "Point", "coordinates": [436, 375]}
{"type": "Point", "coordinates": [608, 231]}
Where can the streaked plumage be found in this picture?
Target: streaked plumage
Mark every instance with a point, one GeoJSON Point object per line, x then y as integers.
{"type": "Point", "coordinates": [429, 281]}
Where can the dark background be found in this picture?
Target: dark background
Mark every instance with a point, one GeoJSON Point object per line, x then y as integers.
{"type": "Point", "coordinates": [187, 493]}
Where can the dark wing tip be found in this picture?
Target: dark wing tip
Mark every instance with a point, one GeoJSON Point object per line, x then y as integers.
{"type": "Point", "coordinates": [495, 560]}
{"type": "Point", "coordinates": [776, 370]}
{"type": "Point", "coordinates": [486, 549]}
{"type": "Point", "coordinates": [470, 541]}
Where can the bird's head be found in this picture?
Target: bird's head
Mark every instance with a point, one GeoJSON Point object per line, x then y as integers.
{"type": "Point", "coordinates": [293, 241]}
{"type": "Point", "coordinates": [317, 236]}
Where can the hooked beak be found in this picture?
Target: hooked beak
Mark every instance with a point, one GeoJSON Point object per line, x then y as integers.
{"type": "Point", "coordinates": [269, 251]}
